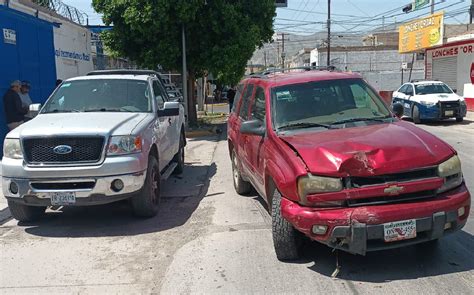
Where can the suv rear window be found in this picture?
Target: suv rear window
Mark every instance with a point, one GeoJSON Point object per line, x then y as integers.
{"type": "Point", "coordinates": [326, 102]}
{"type": "Point", "coordinates": [101, 95]}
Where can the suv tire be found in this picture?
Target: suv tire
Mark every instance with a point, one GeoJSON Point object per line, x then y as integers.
{"type": "Point", "coordinates": [241, 186]}
{"type": "Point", "coordinates": [286, 239]}
{"type": "Point", "coordinates": [147, 202]}
{"type": "Point", "coordinates": [415, 114]}
{"type": "Point", "coordinates": [25, 213]}
{"type": "Point", "coordinates": [179, 157]}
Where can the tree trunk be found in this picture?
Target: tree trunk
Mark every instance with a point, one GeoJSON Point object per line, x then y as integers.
{"type": "Point", "coordinates": [192, 114]}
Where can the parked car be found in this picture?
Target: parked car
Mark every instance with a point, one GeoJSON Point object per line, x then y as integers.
{"type": "Point", "coordinates": [108, 136]}
{"type": "Point", "coordinates": [334, 164]}
{"type": "Point", "coordinates": [430, 100]}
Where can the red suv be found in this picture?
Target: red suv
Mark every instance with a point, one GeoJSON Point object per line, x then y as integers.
{"type": "Point", "coordinates": [334, 164]}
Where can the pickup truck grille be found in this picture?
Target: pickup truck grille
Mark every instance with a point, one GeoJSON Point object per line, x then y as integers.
{"type": "Point", "coordinates": [83, 150]}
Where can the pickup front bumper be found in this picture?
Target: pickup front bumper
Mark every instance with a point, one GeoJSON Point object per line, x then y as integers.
{"type": "Point", "coordinates": [361, 229]}
{"type": "Point", "coordinates": [88, 190]}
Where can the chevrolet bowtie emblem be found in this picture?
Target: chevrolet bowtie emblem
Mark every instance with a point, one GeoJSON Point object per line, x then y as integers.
{"type": "Point", "coordinates": [393, 190]}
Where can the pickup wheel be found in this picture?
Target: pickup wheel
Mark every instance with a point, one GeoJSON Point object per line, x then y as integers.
{"type": "Point", "coordinates": [146, 203]}
{"type": "Point", "coordinates": [25, 213]}
{"type": "Point", "coordinates": [286, 239]}
{"type": "Point", "coordinates": [415, 114]}
{"type": "Point", "coordinates": [179, 157]}
{"type": "Point", "coordinates": [241, 186]}
{"type": "Point", "coordinates": [459, 119]}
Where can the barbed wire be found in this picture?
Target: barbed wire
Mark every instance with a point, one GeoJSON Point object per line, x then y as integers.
{"type": "Point", "coordinates": [65, 10]}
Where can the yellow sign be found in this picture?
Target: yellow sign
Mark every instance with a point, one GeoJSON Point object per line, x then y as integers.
{"type": "Point", "coordinates": [421, 33]}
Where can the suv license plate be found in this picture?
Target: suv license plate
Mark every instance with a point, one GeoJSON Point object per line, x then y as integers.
{"type": "Point", "coordinates": [449, 113]}
{"type": "Point", "coordinates": [63, 198]}
{"type": "Point", "coordinates": [399, 230]}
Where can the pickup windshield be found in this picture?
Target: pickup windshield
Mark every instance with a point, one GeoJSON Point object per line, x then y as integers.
{"type": "Point", "coordinates": [327, 103]}
{"type": "Point", "coordinates": [423, 89]}
{"type": "Point", "coordinates": [100, 95]}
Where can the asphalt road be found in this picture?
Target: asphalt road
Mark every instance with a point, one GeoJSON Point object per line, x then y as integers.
{"type": "Point", "coordinates": [207, 239]}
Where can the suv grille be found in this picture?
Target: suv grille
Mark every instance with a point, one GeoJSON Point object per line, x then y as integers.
{"type": "Point", "coordinates": [397, 177]}
{"type": "Point", "coordinates": [83, 150]}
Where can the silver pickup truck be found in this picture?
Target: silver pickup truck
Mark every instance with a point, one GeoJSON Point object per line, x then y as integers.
{"type": "Point", "coordinates": [99, 138]}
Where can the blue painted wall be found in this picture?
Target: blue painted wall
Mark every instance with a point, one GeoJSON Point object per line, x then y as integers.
{"type": "Point", "coordinates": [32, 58]}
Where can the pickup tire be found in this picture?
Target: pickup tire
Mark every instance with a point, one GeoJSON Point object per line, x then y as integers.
{"type": "Point", "coordinates": [241, 186]}
{"type": "Point", "coordinates": [459, 119]}
{"type": "Point", "coordinates": [415, 114]}
{"type": "Point", "coordinates": [286, 239]}
{"type": "Point", "coordinates": [147, 202]}
{"type": "Point", "coordinates": [179, 157]}
{"type": "Point", "coordinates": [25, 213]}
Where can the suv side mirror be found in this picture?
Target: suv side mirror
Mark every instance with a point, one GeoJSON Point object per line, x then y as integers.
{"type": "Point", "coordinates": [170, 109]}
{"type": "Point", "coordinates": [35, 107]}
{"type": "Point", "coordinates": [397, 109]}
{"type": "Point", "coordinates": [252, 127]}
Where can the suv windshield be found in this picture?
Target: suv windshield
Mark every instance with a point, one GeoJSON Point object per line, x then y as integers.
{"type": "Point", "coordinates": [422, 89]}
{"type": "Point", "coordinates": [327, 103]}
{"type": "Point", "coordinates": [100, 95]}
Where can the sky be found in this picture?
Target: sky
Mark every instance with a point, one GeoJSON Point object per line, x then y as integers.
{"type": "Point", "coordinates": [308, 16]}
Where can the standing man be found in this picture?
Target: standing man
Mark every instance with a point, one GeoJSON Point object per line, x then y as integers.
{"type": "Point", "coordinates": [230, 97]}
{"type": "Point", "coordinates": [25, 95]}
{"type": "Point", "coordinates": [13, 106]}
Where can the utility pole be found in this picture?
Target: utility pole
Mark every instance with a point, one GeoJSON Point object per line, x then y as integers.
{"type": "Point", "coordinates": [471, 12]}
{"type": "Point", "coordinates": [329, 33]}
{"type": "Point", "coordinates": [185, 73]}
{"type": "Point", "coordinates": [432, 6]}
{"type": "Point", "coordinates": [283, 53]}
{"type": "Point", "coordinates": [265, 58]}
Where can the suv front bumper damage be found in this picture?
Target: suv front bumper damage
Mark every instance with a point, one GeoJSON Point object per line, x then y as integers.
{"type": "Point", "coordinates": [88, 190]}
{"type": "Point", "coordinates": [360, 230]}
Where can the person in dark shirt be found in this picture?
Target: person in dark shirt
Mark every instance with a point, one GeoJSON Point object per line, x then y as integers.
{"type": "Point", "coordinates": [14, 110]}
{"type": "Point", "coordinates": [230, 97]}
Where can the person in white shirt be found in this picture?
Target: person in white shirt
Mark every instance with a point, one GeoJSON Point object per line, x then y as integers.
{"type": "Point", "coordinates": [25, 96]}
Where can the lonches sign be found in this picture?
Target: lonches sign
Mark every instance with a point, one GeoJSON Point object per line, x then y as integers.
{"type": "Point", "coordinates": [421, 34]}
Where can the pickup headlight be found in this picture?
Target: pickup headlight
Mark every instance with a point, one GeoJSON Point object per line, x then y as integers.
{"type": "Point", "coordinates": [12, 149]}
{"type": "Point", "coordinates": [451, 171]}
{"type": "Point", "coordinates": [427, 103]}
{"type": "Point", "coordinates": [122, 145]}
{"type": "Point", "coordinates": [311, 184]}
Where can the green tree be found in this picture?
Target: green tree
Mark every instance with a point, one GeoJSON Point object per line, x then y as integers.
{"type": "Point", "coordinates": [221, 35]}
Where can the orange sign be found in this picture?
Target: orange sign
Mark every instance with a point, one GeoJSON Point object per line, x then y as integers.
{"type": "Point", "coordinates": [421, 33]}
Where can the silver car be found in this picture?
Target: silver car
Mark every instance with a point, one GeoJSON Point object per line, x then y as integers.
{"type": "Point", "coordinates": [98, 139]}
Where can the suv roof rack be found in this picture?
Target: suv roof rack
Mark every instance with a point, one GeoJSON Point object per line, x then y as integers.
{"type": "Point", "coordinates": [124, 72]}
{"type": "Point", "coordinates": [264, 74]}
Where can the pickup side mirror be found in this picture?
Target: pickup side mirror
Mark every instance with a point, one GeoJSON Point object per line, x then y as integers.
{"type": "Point", "coordinates": [397, 109]}
{"type": "Point", "coordinates": [35, 107]}
{"type": "Point", "coordinates": [170, 109]}
{"type": "Point", "coordinates": [252, 127]}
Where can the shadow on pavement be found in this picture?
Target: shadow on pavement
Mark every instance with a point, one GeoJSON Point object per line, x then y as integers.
{"type": "Point", "coordinates": [116, 219]}
{"type": "Point", "coordinates": [449, 122]}
{"type": "Point", "coordinates": [453, 254]}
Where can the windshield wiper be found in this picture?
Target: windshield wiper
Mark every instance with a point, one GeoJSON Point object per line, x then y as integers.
{"type": "Point", "coordinates": [61, 111]}
{"type": "Point", "coordinates": [349, 120]}
{"type": "Point", "coordinates": [303, 125]}
{"type": "Point", "coordinates": [102, 110]}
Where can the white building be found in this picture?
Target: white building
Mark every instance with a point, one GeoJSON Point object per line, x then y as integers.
{"type": "Point", "coordinates": [72, 41]}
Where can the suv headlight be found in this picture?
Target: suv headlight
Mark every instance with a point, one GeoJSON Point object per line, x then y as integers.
{"type": "Point", "coordinates": [12, 149]}
{"type": "Point", "coordinates": [122, 145]}
{"type": "Point", "coordinates": [427, 103]}
{"type": "Point", "coordinates": [451, 171]}
{"type": "Point", "coordinates": [311, 184]}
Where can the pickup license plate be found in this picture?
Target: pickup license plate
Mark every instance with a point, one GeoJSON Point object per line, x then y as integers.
{"type": "Point", "coordinates": [448, 113]}
{"type": "Point", "coordinates": [63, 198]}
{"type": "Point", "coordinates": [399, 230]}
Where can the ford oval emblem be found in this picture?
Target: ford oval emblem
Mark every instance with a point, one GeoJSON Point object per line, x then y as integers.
{"type": "Point", "coordinates": [62, 149]}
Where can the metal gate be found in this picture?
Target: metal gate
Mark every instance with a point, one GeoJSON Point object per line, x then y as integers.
{"type": "Point", "coordinates": [445, 70]}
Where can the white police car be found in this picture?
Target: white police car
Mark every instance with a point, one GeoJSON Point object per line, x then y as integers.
{"type": "Point", "coordinates": [430, 100]}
